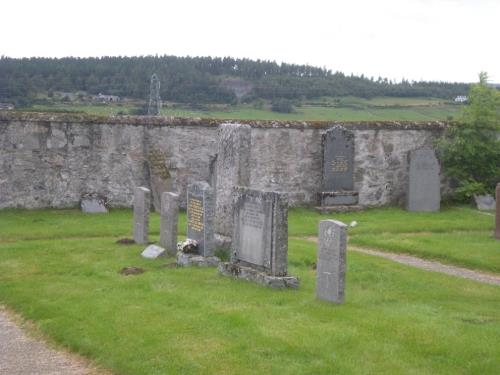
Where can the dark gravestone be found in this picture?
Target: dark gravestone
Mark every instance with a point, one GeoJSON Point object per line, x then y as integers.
{"type": "Point", "coordinates": [338, 168]}
{"type": "Point", "coordinates": [259, 248]}
{"type": "Point", "coordinates": [331, 262]}
{"type": "Point", "coordinates": [424, 188]}
{"type": "Point", "coordinates": [497, 231]}
{"type": "Point", "coordinates": [200, 217]}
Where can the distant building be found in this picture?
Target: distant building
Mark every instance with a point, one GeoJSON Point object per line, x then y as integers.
{"type": "Point", "coordinates": [107, 98]}
{"type": "Point", "coordinates": [6, 106]}
{"type": "Point", "coordinates": [461, 99]}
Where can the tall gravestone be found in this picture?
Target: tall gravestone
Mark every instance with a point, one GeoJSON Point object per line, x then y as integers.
{"type": "Point", "coordinates": [232, 169]}
{"type": "Point", "coordinates": [424, 187]}
{"type": "Point", "coordinates": [259, 248]}
{"type": "Point", "coordinates": [168, 224]}
{"type": "Point", "coordinates": [338, 192]}
{"type": "Point", "coordinates": [200, 217]}
{"type": "Point", "coordinates": [142, 203]}
{"type": "Point", "coordinates": [331, 262]}
{"type": "Point", "coordinates": [497, 218]}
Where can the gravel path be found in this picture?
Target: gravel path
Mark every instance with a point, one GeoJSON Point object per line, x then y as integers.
{"type": "Point", "coordinates": [482, 277]}
{"type": "Point", "coordinates": [23, 355]}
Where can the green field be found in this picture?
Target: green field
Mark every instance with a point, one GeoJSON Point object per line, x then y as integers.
{"type": "Point", "coordinates": [322, 109]}
{"type": "Point", "coordinates": [59, 268]}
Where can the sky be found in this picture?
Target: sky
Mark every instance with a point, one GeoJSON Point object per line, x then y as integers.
{"type": "Point", "coordinates": [439, 40]}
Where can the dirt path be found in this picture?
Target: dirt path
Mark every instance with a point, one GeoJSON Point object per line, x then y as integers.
{"type": "Point", "coordinates": [482, 277]}
{"type": "Point", "coordinates": [23, 355]}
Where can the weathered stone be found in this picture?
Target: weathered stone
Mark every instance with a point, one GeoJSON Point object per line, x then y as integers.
{"type": "Point", "coordinates": [485, 202]}
{"type": "Point", "coordinates": [168, 224]}
{"type": "Point", "coordinates": [497, 218]}
{"type": "Point", "coordinates": [200, 217]}
{"type": "Point", "coordinates": [153, 252]}
{"type": "Point", "coordinates": [260, 233]}
{"type": "Point", "coordinates": [232, 169]}
{"type": "Point", "coordinates": [93, 203]}
{"type": "Point", "coordinates": [259, 248]}
{"type": "Point", "coordinates": [142, 202]}
{"type": "Point", "coordinates": [189, 260]}
{"type": "Point", "coordinates": [424, 188]}
{"type": "Point", "coordinates": [256, 276]}
{"type": "Point", "coordinates": [331, 261]}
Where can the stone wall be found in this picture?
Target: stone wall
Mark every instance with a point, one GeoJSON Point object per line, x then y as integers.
{"type": "Point", "coordinates": [51, 160]}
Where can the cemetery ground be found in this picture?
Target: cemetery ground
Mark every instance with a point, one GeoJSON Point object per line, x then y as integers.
{"type": "Point", "coordinates": [60, 270]}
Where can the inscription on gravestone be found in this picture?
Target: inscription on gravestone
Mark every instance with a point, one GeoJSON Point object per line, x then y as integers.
{"type": "Point", "coordinates": [255, 241]}
{"type": "Point", "coordinates": [260, 235]}
{"type": "Point", "coordinates": [200, 216]}
{"type": "Point", "coordinates": [338, 159]}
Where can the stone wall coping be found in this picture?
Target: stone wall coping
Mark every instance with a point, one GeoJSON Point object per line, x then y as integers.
{"type": "Point", "coordinates": [166, 121]}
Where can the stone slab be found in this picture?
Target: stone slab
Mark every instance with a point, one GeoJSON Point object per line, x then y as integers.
{"type": "Point", "coordinates": [331, 261]}
{"type": "Point", "coordinates": [200, 217]}
{"type": "Point", "coordinates": [232, 169]}
{"type": "Point", "coordinates": [424, 188]}
{"type": "Point", "coordinates": [93, 205]}
{"type": "Point", "coordinates": [338, 159]}
{"type": "Point", "coordinates": [484, 202]}
{"type": "Point", "coordinates": [256, 276]}
{"type": "Point", "coordinates": [332, 198]}
{"type": "Point", "coordinates": [339, 208]}
{"type": "Point", "coordinates": [195, 260]}
{"type": "Point", "coordinates": [260, 232]}
{"type": "Point", "coordinates": [142, 203]}
{"type": "Point", "coordinates": [169, 212]}
{"type": "Point", "coordinates": [153, 252]}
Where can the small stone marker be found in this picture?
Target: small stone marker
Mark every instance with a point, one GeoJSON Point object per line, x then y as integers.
{"type": "Point", "coordinates": [93, 204]}
{"type": "Point", "coordinates": [153, 252]}
{"type": "Point", "coordinates": [260, 238]}
{"type": "Point", "coordinates": [200, 217]}
{"type": "Point", "coordinates": [142, 203]}
{"type": "Point", "coordinates": [331, 262]}
{"type": "Point", "coordinates": [168, 224]}
{"type": "Point", "coordinates": [497, 231]}
{"type": "Point", "coordinates": [484, 202]}
{"type": "Point", "coordinates": [424, 188]}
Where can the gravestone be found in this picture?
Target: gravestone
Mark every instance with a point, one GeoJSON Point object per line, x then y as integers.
{"type": "Point", "coordinates": [153, 252]}
{"type": "Point", "coordinates": [93, 204]}
{"type": "Point", "coordinates": [232, 168]}
{"type": "Point", "coordinates": [259, 247]}
{"type": "Point", "coordinates": [142, 203]}
{"type": "Point", "coordinates": [168, 223]}
{"type": "Point", "coordinates": [331, 261]}
{"type": "Point", "coordinates": [338, 192]}
{"type": "Point", "coordinates": [200, 217]}
{"type": "Point", "coordinates": [424, 188]}
{"type": "Point", "coordinates": [497, 218]}
{"type": "Point", "coordinates": [484, 202]}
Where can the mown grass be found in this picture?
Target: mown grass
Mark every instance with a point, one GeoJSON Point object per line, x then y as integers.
{"type": "Point", "coordinates": [60, 269]}
{"type": "Point", "coordinates": [456, 235]}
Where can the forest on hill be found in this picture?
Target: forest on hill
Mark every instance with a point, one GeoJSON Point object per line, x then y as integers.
{"type": "Point", "coordinates": [198, 80]}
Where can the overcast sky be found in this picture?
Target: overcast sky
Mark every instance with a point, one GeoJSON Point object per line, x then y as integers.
{"type": "Point", "coordinates": [445, 40]}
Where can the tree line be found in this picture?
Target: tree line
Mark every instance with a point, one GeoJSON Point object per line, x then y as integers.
{"type": "Point", "coordinates": [198, 79]}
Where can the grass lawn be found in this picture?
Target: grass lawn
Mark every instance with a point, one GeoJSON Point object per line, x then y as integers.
{"type": "Point", "coordinates": [60, 269]}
